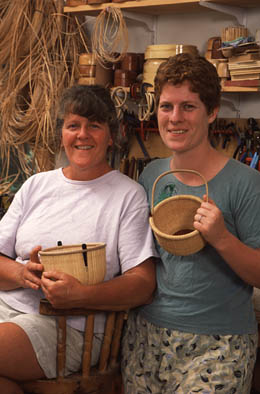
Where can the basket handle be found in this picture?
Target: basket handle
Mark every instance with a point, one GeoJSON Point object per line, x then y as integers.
{"type": "Point", "coordinates": [171, 172]}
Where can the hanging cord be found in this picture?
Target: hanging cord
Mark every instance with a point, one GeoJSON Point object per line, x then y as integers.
{"type": "Point", "coordinates": [119, 96]}
{"type": "Point", "coordinates": [146, 108]}
{"type": "Point", "coordinates": [110, 36]}
{"type": "Point", "coordinates": [39, 47]}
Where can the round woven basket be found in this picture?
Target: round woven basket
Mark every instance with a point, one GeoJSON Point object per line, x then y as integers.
{"type": "Point", "coordinates": [86, 262]}
{"type": "Point", "coordinates": [163, 51]}
{"type": "Point", "coordinates": [172, 221]}
{"type": "Point", "coordinates": [150, 68]}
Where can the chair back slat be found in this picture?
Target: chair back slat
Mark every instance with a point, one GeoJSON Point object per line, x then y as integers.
{"type": "Point", "coordinates": [88, 342]}
{"type": "Point", "coordinates": [103, 378]}
{"type": "Point", "coordinates": [61, 347]}
{"type": "Point", "coordinates": [106, 345]}
{"type": "Point", "coordinates": [116, 341]}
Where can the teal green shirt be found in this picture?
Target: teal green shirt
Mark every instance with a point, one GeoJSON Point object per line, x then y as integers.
{"type": "Point", "coordinates": [200, 293]}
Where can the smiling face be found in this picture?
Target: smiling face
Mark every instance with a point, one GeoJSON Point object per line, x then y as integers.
{"type": "Point", "coordinates": [183, 119]}
{"type": "Point", "coordinates": [85, 143]}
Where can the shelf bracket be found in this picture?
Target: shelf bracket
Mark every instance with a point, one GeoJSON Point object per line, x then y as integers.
{"type": "Point", "coordinates": [231, 106]}
{"type": "Point", "coordinates": [238, 12]}
{"type": "Point", "coordinates": [149, 22]}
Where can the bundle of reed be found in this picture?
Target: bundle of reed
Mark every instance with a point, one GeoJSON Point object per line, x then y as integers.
{"type": "Point", "coordinates": [110, 36]}
{"type": "Point", "coordinates": [39, 49]}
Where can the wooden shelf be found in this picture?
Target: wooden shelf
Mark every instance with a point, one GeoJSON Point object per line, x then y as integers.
{"type": "Point", "coordinates": [158, 7]}
{"type": "Point", "coordinates": [239, 89]}
{"type": "Point", "coordinates": [153, 7]}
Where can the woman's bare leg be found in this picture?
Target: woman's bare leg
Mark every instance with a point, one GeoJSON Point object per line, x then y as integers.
{"type": "Point", "coordinates": [10, 387]}
{"type": "Point", "coordinates": [17, 358]}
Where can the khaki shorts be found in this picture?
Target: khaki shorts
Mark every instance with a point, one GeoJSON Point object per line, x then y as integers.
{"type": "Point", "coordinates": [42, 332]}
{"type": "Point", "coordinates": [162, 361]}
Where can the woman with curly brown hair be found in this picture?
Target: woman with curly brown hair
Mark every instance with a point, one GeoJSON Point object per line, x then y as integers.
{"type": "Point", "coordinates": [199, 335]}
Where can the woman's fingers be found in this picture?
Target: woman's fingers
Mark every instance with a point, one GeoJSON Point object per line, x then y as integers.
{"type": "Point", "coordinates": [34, 254]}
{"type": "Point", "coordinates": [32, 270]}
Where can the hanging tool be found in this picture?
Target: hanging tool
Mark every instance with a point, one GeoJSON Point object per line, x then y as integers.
{"type": "Point", "coordinates": [254, 161]}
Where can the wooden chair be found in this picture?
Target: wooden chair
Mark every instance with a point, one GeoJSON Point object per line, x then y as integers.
{"type": "Point", "coordinates": [105, 377]}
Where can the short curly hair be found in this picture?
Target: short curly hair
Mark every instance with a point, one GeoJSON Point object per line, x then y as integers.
{"type": "Point", "coordinates": [199, 72]}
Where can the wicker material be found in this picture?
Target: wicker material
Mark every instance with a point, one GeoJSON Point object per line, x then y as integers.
{"type": "Point", "coordinates": [156, 54]}
{"type": "Point", "coordinates": [88, 266]}
{"type": "Point", "coordinates": [75, 3]}
{"type": "Point", "coordinates": [164, 51]}
{"type": "Point", "coordinates": [87, 59]}
{"type": "Point", "coordinates": [176, 215]}
{"type": "Point", "coordinates": [91, 72]}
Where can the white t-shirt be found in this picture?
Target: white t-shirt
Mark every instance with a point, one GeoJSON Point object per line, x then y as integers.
{"type": "Point", "coordinates": [50, 207]}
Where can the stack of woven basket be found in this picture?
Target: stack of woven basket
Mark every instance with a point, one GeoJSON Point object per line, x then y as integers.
{"type": "Point", "coordinates": [231, 33]}
{"type": "Point", "coordinates": [75, 3]}
{"type": "Point", "coordinates": [156, 54]}
{"type": "Point", "coordinates": [129, 68]}
{"type": "Point", "coordinates": [92, 72]}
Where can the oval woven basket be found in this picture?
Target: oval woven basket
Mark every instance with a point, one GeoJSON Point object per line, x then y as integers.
{"type": "Point", "coordinates": [86, 262]}
{"type": "Point", "coordinates": [163, 51]}
{"type": "Point", "coordinates": [172, 220]}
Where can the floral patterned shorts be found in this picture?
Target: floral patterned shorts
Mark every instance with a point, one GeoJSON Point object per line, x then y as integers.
{"type": "Point", "coordinates": [162, 361]}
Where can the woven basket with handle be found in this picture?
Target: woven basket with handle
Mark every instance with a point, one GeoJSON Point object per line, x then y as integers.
{"type": "Point", "coordinates": [172, 220]}
{"type": "Point", "coordinates": [86, 262]}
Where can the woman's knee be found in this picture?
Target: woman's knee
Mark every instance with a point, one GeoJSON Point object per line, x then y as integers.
{"type": "Point", "coordinates": [17, 360]}
{"type": "Point", "coordinates": [9, 386]}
